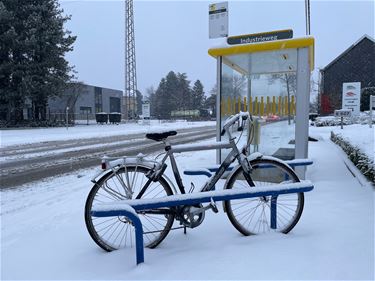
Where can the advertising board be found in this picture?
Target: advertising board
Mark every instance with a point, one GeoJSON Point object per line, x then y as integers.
{"type": "Point", "coordinates": [351, 96]}
{"type": "Point", "coordinates": [146, 110]}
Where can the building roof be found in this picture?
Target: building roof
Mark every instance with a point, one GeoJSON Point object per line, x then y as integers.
{"type": "Point", "coordinates": [364, 37]}
{"type": "Point", "coordinates": [90, 85]}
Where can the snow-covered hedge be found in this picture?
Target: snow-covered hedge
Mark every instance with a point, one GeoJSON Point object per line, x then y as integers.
{"type": "Point", "coordinates": [323, 121]}
{"type": "Point", "coordinates": [360, 159]}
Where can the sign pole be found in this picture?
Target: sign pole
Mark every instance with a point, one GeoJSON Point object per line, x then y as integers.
{"type": "Point", "coordinates": [372, 104]}
{"type": "Point", "coordinates": [67, 117]}
{"type": "Point", "coordinates": [343, 113]}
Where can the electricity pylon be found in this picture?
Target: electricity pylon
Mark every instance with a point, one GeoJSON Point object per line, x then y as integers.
{"type": "Point", "coordinates": [130, 64]}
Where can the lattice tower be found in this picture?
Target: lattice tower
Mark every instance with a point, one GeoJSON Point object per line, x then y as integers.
{"type": "Point", "coordinates": [130, 63]}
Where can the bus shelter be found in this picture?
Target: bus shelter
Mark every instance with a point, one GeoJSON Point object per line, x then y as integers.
{"type": "Point", "coordinates": [271, 80]}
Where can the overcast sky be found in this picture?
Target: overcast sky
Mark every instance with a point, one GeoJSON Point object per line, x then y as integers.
{"type": "Point", "coordinates": [173, 35]}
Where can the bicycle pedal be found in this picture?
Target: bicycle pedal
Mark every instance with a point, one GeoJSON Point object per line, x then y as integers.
{"type": "Point", "coordinates": [192, 186]}
{"type": "Point", "coordinates": [213, 206]}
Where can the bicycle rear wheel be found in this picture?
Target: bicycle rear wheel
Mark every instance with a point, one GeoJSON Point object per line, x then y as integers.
{"type": "Point", "coordinates": [268, 213]}
{"type": "Point", "coordinates": [112, 233]}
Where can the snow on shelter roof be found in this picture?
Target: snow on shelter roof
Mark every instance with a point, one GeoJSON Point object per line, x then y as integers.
{"type": "Point", "coordinates": [294, 43]}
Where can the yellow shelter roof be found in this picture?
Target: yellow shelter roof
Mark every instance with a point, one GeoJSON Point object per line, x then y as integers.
{"type": "Point", "coordinates": [295, 43]}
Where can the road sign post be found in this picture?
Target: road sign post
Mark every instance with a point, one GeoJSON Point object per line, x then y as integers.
{"type": "Point", "coordinates": [372, 107]}
{"type": "Point", "coordinates": [67, 117]}
{"type": "Point", "coordinates": [343, 113]}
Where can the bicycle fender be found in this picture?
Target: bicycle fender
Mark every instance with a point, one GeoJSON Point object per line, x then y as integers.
{"type": "Point", "coordinates": [110, 165]}
{"type": "Point", "coordinates": [149, 164]}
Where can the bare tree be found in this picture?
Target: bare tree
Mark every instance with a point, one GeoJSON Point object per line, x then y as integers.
{"type": "Point", "coordinates": [289, 81]}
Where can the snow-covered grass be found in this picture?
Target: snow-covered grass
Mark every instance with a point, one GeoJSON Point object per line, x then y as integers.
{"type": "Point", "coordinates": [44, 235]}
{"type": "Point", "coordinates": [22, 136]}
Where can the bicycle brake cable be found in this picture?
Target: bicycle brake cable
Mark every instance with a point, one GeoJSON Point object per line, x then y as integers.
{"type": "Point", "coordinates": [157, 156]}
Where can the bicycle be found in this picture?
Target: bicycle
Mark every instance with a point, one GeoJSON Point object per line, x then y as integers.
{"type": "Point", "coordinates": [140, 178]}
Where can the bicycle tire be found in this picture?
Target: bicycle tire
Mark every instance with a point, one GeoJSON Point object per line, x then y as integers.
{"type": "Point", "coordinates": [155, 228]}
{"type": "Point", "coordinates": [289, 206]}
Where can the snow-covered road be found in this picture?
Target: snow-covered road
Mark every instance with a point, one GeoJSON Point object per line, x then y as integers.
{"type": "Point", "coordinates": [29, 162]}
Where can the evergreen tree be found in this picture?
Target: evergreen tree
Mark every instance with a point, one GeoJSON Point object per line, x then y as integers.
{"type": "Point", "coordinates": [198, 97]}
{"type": "Point", "coordinates": [162, 101]}
{"type": "Point", "coordinates": [365, 98]}
{"type": "Point", "coordinates": [174, 93]}
{"type": "Point", "coordinates": [171, 98]}
{"type": "Point", "coordinates": [33, 43]}
{"type": "Point", "coordinates": [210, 102]}
{"type": "Point", "coordinates": [166, 96]}
{"type": "Point", "coordinates": [184, 92]}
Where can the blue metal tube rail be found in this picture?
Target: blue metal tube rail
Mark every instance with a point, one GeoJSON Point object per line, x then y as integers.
{"type": "Point", "coordinates": [211, 170]}
{"type": "Point", "coordinates": [128, 208]}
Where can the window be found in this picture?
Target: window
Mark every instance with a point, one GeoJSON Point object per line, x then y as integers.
{"type": "Point", "coordinates": [114, 104]}
{"type": "Point", "coordinates": [85, 110]}
{"type": "Point", "coordinates": [98, 99]}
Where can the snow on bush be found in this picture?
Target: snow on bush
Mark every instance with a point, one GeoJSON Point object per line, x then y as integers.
{"type": "Point", "coordinates": [323, 121]}
{"type": "Point", "coordinates": [360, 159]}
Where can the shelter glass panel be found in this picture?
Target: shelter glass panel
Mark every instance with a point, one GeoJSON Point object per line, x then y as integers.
{"type": "Point", "coordinates": [263, 84]}
{"type": "Point", "coordinates": [234, 93]}
{"type": "Point", "coordinates": [272, 103]}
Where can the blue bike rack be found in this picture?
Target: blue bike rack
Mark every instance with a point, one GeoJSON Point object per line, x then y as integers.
{"type": "Point", "coordinates": [211, 170]}
{"type": "Point", "coordinates": [128, 208]}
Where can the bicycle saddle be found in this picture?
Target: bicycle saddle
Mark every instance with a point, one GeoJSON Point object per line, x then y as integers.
{"type": "Point", "coordinates": [160, 136]}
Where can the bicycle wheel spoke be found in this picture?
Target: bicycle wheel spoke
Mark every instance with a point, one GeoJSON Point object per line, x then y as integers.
{"type": "Point", "coordinates": [241, 216]}
{"type": "Point", "coordinates": [155, 217]}
{"type": "Point", "coordinates": [116, 232]}
{"type": "Point", "coordinates": [102, 221]}
{"type": "Point", "coordinates": [106, 226]}
{"type": "Point", "coordinates": [247, 201]}
{"type": "Point", "coordinates": [118, 235]}
{"type": "Point", "coordinates": [253, 218]}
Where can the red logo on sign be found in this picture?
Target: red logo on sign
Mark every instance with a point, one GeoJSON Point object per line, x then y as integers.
{"type": "Point", "coordinates": [350, 94]}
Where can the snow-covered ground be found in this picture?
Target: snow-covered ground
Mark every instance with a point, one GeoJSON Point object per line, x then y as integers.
{"type": "Point", "coordinates": [22, 136]}
{"type": "Point", "coordinates": [361, 136]}
{"type": "Point", "coordinates": [43, 234]}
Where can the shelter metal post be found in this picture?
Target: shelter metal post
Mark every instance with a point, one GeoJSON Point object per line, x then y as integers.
{"type": "Point", "coordinates": [302, 108]}
{"type": "Point", "coordinates": [218, 108]}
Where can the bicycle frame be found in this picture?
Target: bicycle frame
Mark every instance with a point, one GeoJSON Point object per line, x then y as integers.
{"type": "Point", "coordinates": [157, 168]}
{"type": "Point", "coordinates": [210, 185]}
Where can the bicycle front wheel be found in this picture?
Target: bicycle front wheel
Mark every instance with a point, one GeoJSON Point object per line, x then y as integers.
{"type": "Point", "coordinates": [268, 213]}
{"type": "Point", "coordinates": [112, 233]}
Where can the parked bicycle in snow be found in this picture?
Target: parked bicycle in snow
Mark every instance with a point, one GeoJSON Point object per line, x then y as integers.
{"type": "Point", "coordinates": [139, 178]}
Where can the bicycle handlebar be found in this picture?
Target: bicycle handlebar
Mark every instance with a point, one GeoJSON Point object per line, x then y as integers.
{"type": "Point", "coordinates": [242, 116]}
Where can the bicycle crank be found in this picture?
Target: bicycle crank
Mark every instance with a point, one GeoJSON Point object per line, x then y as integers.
{"type": "Point", "coordinates": [193, 216]}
